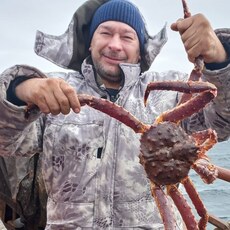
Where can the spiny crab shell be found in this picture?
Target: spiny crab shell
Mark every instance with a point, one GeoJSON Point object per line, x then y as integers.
{"type": "Point", "coordinates": [167, 153]}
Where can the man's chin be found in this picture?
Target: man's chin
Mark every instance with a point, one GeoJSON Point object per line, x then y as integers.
{"type": "Point", "coordinates": [111, 76]}
{"type": "Point", "coordinates": [113, 71]}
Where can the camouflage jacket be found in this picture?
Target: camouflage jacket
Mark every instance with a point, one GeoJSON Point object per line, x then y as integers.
{"type": "Point", "coordinates": [90, 164]}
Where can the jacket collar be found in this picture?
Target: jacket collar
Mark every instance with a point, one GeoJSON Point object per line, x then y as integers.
{"type": "Point", "coordinates": [131, 73]}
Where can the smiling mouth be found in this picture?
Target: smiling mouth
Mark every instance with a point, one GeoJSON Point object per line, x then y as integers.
{"type": "Point", "coordinates": [113, 59]}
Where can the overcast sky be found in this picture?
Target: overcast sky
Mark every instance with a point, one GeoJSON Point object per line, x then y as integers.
{"type": "Point", "coordinates": [19, 20]}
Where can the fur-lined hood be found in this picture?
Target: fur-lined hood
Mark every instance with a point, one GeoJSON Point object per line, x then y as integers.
{"type": "Point", "coordinates": [70, 49]}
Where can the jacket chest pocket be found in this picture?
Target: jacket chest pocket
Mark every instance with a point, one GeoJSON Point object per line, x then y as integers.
{"type": "Point", "coordinates": [72, 159]}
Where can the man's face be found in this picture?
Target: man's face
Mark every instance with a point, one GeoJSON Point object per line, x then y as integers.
{"type": "Point", "coordinates": [113, 43]}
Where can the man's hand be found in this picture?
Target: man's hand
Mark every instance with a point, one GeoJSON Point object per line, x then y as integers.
{"type": "Point", "coordinates": [200, 39]}
{"type": "Point", "coordinates": [51, 95]}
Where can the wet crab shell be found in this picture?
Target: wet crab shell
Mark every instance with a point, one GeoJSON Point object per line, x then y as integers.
{"type": "Point", "coordinates": [167, 153]}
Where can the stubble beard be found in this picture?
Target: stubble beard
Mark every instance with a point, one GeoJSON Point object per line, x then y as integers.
{"type": "Point", "coordinates": [109, 75]}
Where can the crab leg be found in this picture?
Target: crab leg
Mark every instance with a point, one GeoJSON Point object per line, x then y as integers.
{"type": "Point", "coordinates": [164, 207]}
{"type": "Point", "coordinates": [223, 174]}
{"type": "Point", "coordinates": [107, 107]}
{"type": "Point", "coordinates": [113, 110]}
{"type": "Point", "coordinates": [186, 10]}
{"type": "Point", "coordinates": [199, 62]}
{"type": "Point", "coordinates": [195, 75]}
{"type": "Point", "coordinates": [196, 200]}
{"type": "Point", "coordinates": [198, 65]}
{"type": "Point", "coordinates": [207, 171]}
{"type": "Point", "coordinates": [180, 86]}
{"type": "Point", "coordinates": [187, 109]}
{"type": "Point", "coordinates": [205, 138]}
{"type": "Point", "coordinates": [183, 207]}
{"type": "Point", "coordinates": [207, 92]}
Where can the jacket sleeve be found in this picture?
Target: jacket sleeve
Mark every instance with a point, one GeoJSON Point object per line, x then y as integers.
{"type": "Point", "coordinates": [18, 135]}
{"type": "Point", "coordinates": [216, 115]}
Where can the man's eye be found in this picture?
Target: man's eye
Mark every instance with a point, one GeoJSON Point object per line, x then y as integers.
{"type": "Point", "coordinates": [128, 38]}
{"type": "Point", "coordinates": [105, 33]}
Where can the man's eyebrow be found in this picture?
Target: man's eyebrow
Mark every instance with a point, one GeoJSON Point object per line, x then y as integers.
{"type": "Point", "coordinates": [104, 27]}
{"type": "Point", "coordinates": [111, 29]}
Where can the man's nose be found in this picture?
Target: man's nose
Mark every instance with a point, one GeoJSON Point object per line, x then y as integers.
{"type": "Point", "coordinates": [115, 42]}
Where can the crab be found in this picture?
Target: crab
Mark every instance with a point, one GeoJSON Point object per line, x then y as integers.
{"type": "Point", "coordinates": [167, 152]}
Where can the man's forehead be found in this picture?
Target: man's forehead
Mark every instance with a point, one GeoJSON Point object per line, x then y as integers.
{"type": "Point", "coordinates": [116, 25]}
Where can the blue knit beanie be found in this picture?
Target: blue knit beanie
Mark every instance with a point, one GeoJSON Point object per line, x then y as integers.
{"type": "Point", "coordinates": [122, 11]}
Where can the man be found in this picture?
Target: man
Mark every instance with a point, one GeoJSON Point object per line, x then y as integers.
{"type": "Point", "coordinates": [91, 167]}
